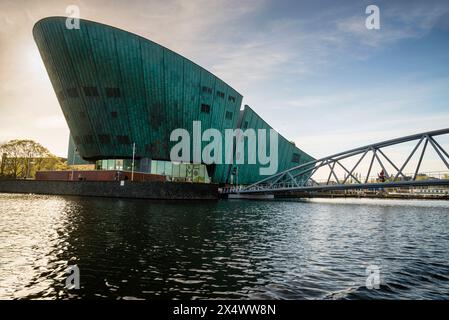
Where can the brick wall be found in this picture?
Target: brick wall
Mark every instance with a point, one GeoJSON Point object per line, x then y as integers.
{"type": "Point", "coordinates": [144, 190]}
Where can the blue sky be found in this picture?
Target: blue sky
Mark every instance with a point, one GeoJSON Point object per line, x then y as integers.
{"type": "Point", "coordinates": [311, 68]}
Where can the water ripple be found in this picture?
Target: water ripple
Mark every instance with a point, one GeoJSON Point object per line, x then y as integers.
{"type": "Point", "coordinates": [138, 249]}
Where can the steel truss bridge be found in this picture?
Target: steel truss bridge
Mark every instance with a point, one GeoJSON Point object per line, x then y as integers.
{"type": "Point", "coordinates": [302, 177]}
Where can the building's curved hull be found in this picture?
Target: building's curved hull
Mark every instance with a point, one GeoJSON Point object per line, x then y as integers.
{"type": "Point", "coordinates": [116, 88]}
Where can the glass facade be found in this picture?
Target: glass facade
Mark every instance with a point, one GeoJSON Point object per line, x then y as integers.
{"type": "Point", "coordinates": [184, 172]}
{"type": "Point", "coordinates": [181, 171]}
{"type": "Point", "coordinates": [117, 164]}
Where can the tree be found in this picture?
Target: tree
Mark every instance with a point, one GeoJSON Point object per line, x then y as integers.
{"type": "Point", "coordinates": [21, 158]}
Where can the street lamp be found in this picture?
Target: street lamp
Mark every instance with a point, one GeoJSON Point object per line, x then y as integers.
{"type": "Point", "coordinates": [132, 165]}
{"type": "Point", "coordinates": [73, 162]}
{"type": "Point", "coordinates": [28, 168]}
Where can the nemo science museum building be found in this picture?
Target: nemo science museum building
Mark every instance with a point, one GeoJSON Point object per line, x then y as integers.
{"type": "Point", "coordinates": [119, 92]}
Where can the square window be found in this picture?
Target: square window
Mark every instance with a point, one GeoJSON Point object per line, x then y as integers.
{"type": "Point", "coordinates": [72, 92]}
{"type": "Point", "coordinates": [90, 91]}
{"type": "Point", "coordinates": [114, 114]}
{"type": "Point", "coordinates": [123, 140]}
{"type": "Point", "coordinates": [207, 89]}
{"type": "Point", "coordinates": [205, 108]}
{"type": "Point", "coordinates": [88, 139]}
{"type": "Point", "coordinates": [113, 92]}
{"type": "Point", "coordinates": [61, 95]}
{"type": "Point", "coordinates": [229, 115]}
{"type": "Point", "coordinates": [104, 138]}
{"type": "Point", "coordinates": [296, 157]}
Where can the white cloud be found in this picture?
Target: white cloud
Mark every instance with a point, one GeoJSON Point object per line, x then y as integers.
{"type": "Point", "coordinates": [242, 44]}
{"type": "Point", "coordinates": [399, 21]}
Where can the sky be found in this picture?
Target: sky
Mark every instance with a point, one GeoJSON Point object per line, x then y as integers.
{"type": "Point", "coordinates": [310, 68]}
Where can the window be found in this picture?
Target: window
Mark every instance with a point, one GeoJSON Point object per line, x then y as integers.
{"type": "Point", "coordinates": [207, 89]}
{"type": "Point", "coordinates": [113, 92]}
{"type": "Point", "coordinates": [296, 157]}
{"type": "Point", "coordinates": [245, 125]}
{"type": "Point", "coordinates": [88, 139]}
{"type": "Point", "coordinates": [231, 98]}
{"type": "Point", "coordinates": [229, 115]}
{"type": "Point", "coordinates": [110, 164]}
{"type": "Point", "coordinates": [82, 115]}
{"type": "Point", "coordinates": [205, 108]}
{"type": "Point", "coordinates": [61, 95]}
{"type": "Point", "coordinates": [119, 164]}
{"type": "Point", "coordinates": [72, 93]}
{"type": "Point", "coordinates": [104, 138]}
{"type": "Point", "coordinates": [91, 91]}
{"type": "Point", "coordinates": [114, 114]}
{"type": "Point", "coordinates": [220, 94]}
{"type": "Point", "coordinates": [123, 140]}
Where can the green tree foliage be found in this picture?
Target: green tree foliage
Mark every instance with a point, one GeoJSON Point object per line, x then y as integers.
{"type": "Point", "coordinates": [22, 158]}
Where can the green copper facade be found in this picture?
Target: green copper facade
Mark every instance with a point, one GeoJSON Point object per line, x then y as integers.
{"type": "Point", "coordinates": [288, 154]}
{"type": "Point", "coordinates": [116, 88]}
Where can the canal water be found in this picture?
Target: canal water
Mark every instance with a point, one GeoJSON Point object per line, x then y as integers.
{"type": "Point", "coordinates": [140, 249]}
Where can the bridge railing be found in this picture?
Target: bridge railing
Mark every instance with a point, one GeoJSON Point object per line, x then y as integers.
{"type": "Point", "coordinates": [305, 175]}
{"type": "Point", "coordinates": [427, 175]}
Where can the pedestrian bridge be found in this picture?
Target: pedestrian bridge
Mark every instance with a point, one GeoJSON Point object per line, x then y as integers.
{"type": "Point", "coordinates": [371, 168]}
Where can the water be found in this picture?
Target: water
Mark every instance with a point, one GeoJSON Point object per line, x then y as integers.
{"type": "Point", "coordinates": [139, 249]}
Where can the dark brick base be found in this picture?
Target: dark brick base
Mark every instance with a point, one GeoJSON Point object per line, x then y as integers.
{"type": "Point", "coordinates": [144, 190]}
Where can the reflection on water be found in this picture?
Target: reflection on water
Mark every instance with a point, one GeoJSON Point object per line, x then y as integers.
{"type": "Point", "coordinates": [132, 249]}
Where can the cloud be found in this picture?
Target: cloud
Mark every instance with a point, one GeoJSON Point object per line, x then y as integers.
{"type": "Point", "coordinates": [263, 55]}
{"type": "Point", "coordinates": [399, 21]}
{"type": "Point", "coordinates": [301, 47]}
